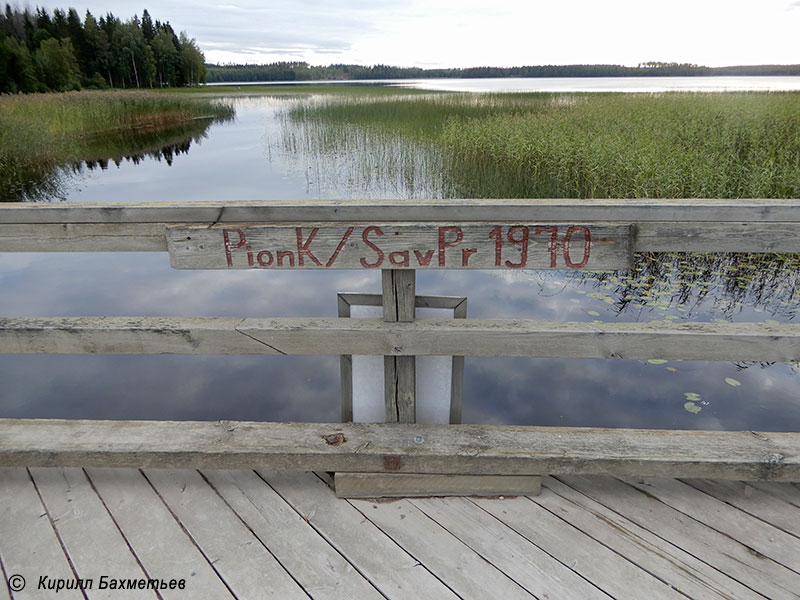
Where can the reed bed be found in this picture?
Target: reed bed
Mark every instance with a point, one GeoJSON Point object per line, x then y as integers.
{"type": "Point", "coordinates": [666, 145]}
{"type": "Point", "coordinates": [39, 133]}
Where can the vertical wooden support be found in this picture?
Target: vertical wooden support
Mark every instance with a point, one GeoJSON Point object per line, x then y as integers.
{"type": "Point", "coordinates": [399, 372]}
{"type": "Point", "coordinates": [346, 369]}
{"type": "Point", "coordinates": [457, 377]}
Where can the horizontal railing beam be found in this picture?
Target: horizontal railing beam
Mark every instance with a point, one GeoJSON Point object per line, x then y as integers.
{"type": "Point", "coordinates": [674, 236]}
{"type": "Point", "coordinates": [510, 210]}
{"type": "Point", "coordinates": [404, 448]}
{"type": "Point", "coordinates": [460, 337]}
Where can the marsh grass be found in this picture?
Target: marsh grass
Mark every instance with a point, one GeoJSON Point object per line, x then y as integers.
{"type": "Point", "coordinates": [41, 134]}
{"type": "Point", "coordinates": [668, 145]}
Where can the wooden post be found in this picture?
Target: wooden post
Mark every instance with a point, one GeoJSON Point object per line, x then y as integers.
{"type": "Point", "coordinates": [399, 372]}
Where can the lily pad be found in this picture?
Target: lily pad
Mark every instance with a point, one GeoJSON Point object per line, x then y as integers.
{"type": "Point", "coordinates": [733, 382]}
{"type": "Point", "coordinates": [692, 407]}
{"type": "Point", "coordinates": [693, 396]}
{"type": "Point", "coordinates": [657, 361]}
{"type": "Point", "coordinates": [594, 313]}
{"type": "Point", "coordinates": [673, 369]}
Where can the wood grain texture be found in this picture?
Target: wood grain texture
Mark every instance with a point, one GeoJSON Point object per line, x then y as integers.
{"type": "Point", "coordinates": [395, 573]}
{"type": "Point", "coordinates": [404, 485]}
{"type": "Point", "coordinates": [738, 560]}
{"type": "Point", "coordinates": [393, 245]}
{"type": "Point", "coordinates": [468, 573]}
{"type": "Point", "coordinates": [401, 447]}
{"type": "Point", "coordinates": [523, 561]}
{"type": "Point", "coordinates": [162, 546]}
{"type": "Point", "coordinates": [320, 570]}
{"type": "Point", "coordinates": [248, 569]}
{"type": "Point", "coordinates": [767, 540]}
{"type": "Point", "coordinates": [611, 528]}
{"type": "Point", "coordinates": [411, 210]}
{"type": "Point", "coordinates": [609, 571]}
{"type": "Point", "coordinates": [76, 509]}
{"type": "Point", "coordinates": [431, 337]}
{"type": "Point", "coordinates": [28, 542]}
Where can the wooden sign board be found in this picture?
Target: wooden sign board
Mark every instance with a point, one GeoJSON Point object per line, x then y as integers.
{"type": "Point", "coordinates": [400, 246]}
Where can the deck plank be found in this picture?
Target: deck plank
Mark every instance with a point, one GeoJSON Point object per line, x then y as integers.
{"type": "Point", "coordinates": [665, 561]}
{"type": "Point", "coordinates": [5, 593]}
{"type": "Point", "coordinates": [395, 573]}
{"type": "Point", "coordinates": [92, 540]}
{"type": "Point", "coordinates": [248, 569]}
{"type": "Point", "coordinates": [760, 574]}
{"type": "Point", "coordinates": [162, 546]}
{"type": "Point", "coordinates": [323, 572]}
{"type": "Point", "coordinates": [753, 501]}
{"type": "Point", "coordinates": [609, 571]}
{"type": "Point", "coordinates": [524, 562]}
{"type": "Point", "coordinates": [788, 492]}
{"type": "Point", "coordinates": [28, 543]}
{"type": "Point", "coordinates": [468, 573]}
{"type": "Point", "coordinates": [761, 537]}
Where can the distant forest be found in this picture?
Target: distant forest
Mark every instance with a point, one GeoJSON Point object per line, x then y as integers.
{"type": "Point", "coordinates": [40, 52]}
{"type": "Point", "coordinates": [301, 71]}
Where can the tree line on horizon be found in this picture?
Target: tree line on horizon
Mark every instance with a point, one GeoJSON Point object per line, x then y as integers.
{"type": "Point", "coordinates": [40, 52]}
{"type": "Point", "coordinates": [302, 71]}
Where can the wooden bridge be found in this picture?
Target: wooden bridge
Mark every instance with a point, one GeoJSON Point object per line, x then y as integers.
{"type": "Point", "coordinates": [597, 530]}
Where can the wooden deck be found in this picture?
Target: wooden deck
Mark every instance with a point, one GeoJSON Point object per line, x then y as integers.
{"type": "Point", "coordinates": [248, 534]}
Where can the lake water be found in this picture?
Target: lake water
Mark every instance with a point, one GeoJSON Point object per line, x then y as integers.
{"type": "Point", "coordinates": [570, 84]}
{"type": "Point", "coordinates": [250, 159]}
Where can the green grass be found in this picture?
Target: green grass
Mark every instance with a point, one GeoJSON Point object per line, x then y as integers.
{"type": "Point", "coordinates": [40, 133]}
{"type": "Point", "coordinates": [670, 145]}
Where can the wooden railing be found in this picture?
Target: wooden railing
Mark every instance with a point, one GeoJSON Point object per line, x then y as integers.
{"type": "Point", "coordinates": [398, 238]}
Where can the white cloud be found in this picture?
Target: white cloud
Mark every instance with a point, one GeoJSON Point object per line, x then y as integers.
{"type": "Point", "coordinates": [469, 32]}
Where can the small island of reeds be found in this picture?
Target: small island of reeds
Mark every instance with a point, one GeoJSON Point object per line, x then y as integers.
{"type": "Point", "coordinates": [43, 133]}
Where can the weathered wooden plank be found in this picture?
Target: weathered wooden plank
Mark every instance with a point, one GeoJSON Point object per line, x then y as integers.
{"type": "Point", "coordinates": [399, 372]}
{"type": "Point", "coordinates": [730, 556]}
{"type": "Point", "coordinates": [395, 573]}
{"type": "Point", "coordinates": [613, 529]}
{"type": "Point", "coordinates": [113, 335]}
{"type": "Point", "coordinates": [723, 236]}
{"type": "Point", "coordinates": [399, 295]}
{"type": "Point", "coordinates": [762, 537]}
{"type": "Point", "coordinates": [163, 548]}
{"type": "Point", "coordinates": [321, 571]}
{"type": "Point", "coordinates": [400, 384]}
{"type": "Point", "coordinates": [391, 245]}
{"type": "Point", "coordinates": [401, 447]}
{"type": "Point", "coordinates": [82, 237]}
{"type": "Point", "coordinates": [404, 485]}
{"type": "Point", "coordinates": [753, 501]}
{"type": "Point", "coordinates": [788, 492]}
{"type": "Point", "coordinates": [470, 337]}
{"type": "Point", "coordinates": [678, 236]}
{"type": "Point", "coordinates": [76, 509]}
{"type": "Point", "coordinates": [609, 571]}
{"type": "Point", "coordinates": [247, 567]}
{"type": "Point", "coordinates": [451, 560]}
{"type": "Point", "coordinates": [5, 593]}
{"type": "Point", "coordinates": [411, 210]}
{"type": "Point", "coordinates": [527, 564]}
{"type": "Point", "coordinates": [28, 543]}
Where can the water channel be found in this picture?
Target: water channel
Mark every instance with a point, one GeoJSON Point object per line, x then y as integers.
{"type": "Point", "coordinates": [250, 159]}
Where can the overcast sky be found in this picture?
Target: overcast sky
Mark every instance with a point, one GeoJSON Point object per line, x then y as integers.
{"type": "Point", "coordinates": [462, 33]}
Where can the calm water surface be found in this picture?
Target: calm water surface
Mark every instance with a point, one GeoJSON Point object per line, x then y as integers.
{"type": "Point", "coordinates": [249, 159]}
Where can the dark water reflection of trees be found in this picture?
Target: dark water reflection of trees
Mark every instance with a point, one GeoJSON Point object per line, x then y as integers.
{"type": "Point", "coordinates": [134, 146]}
